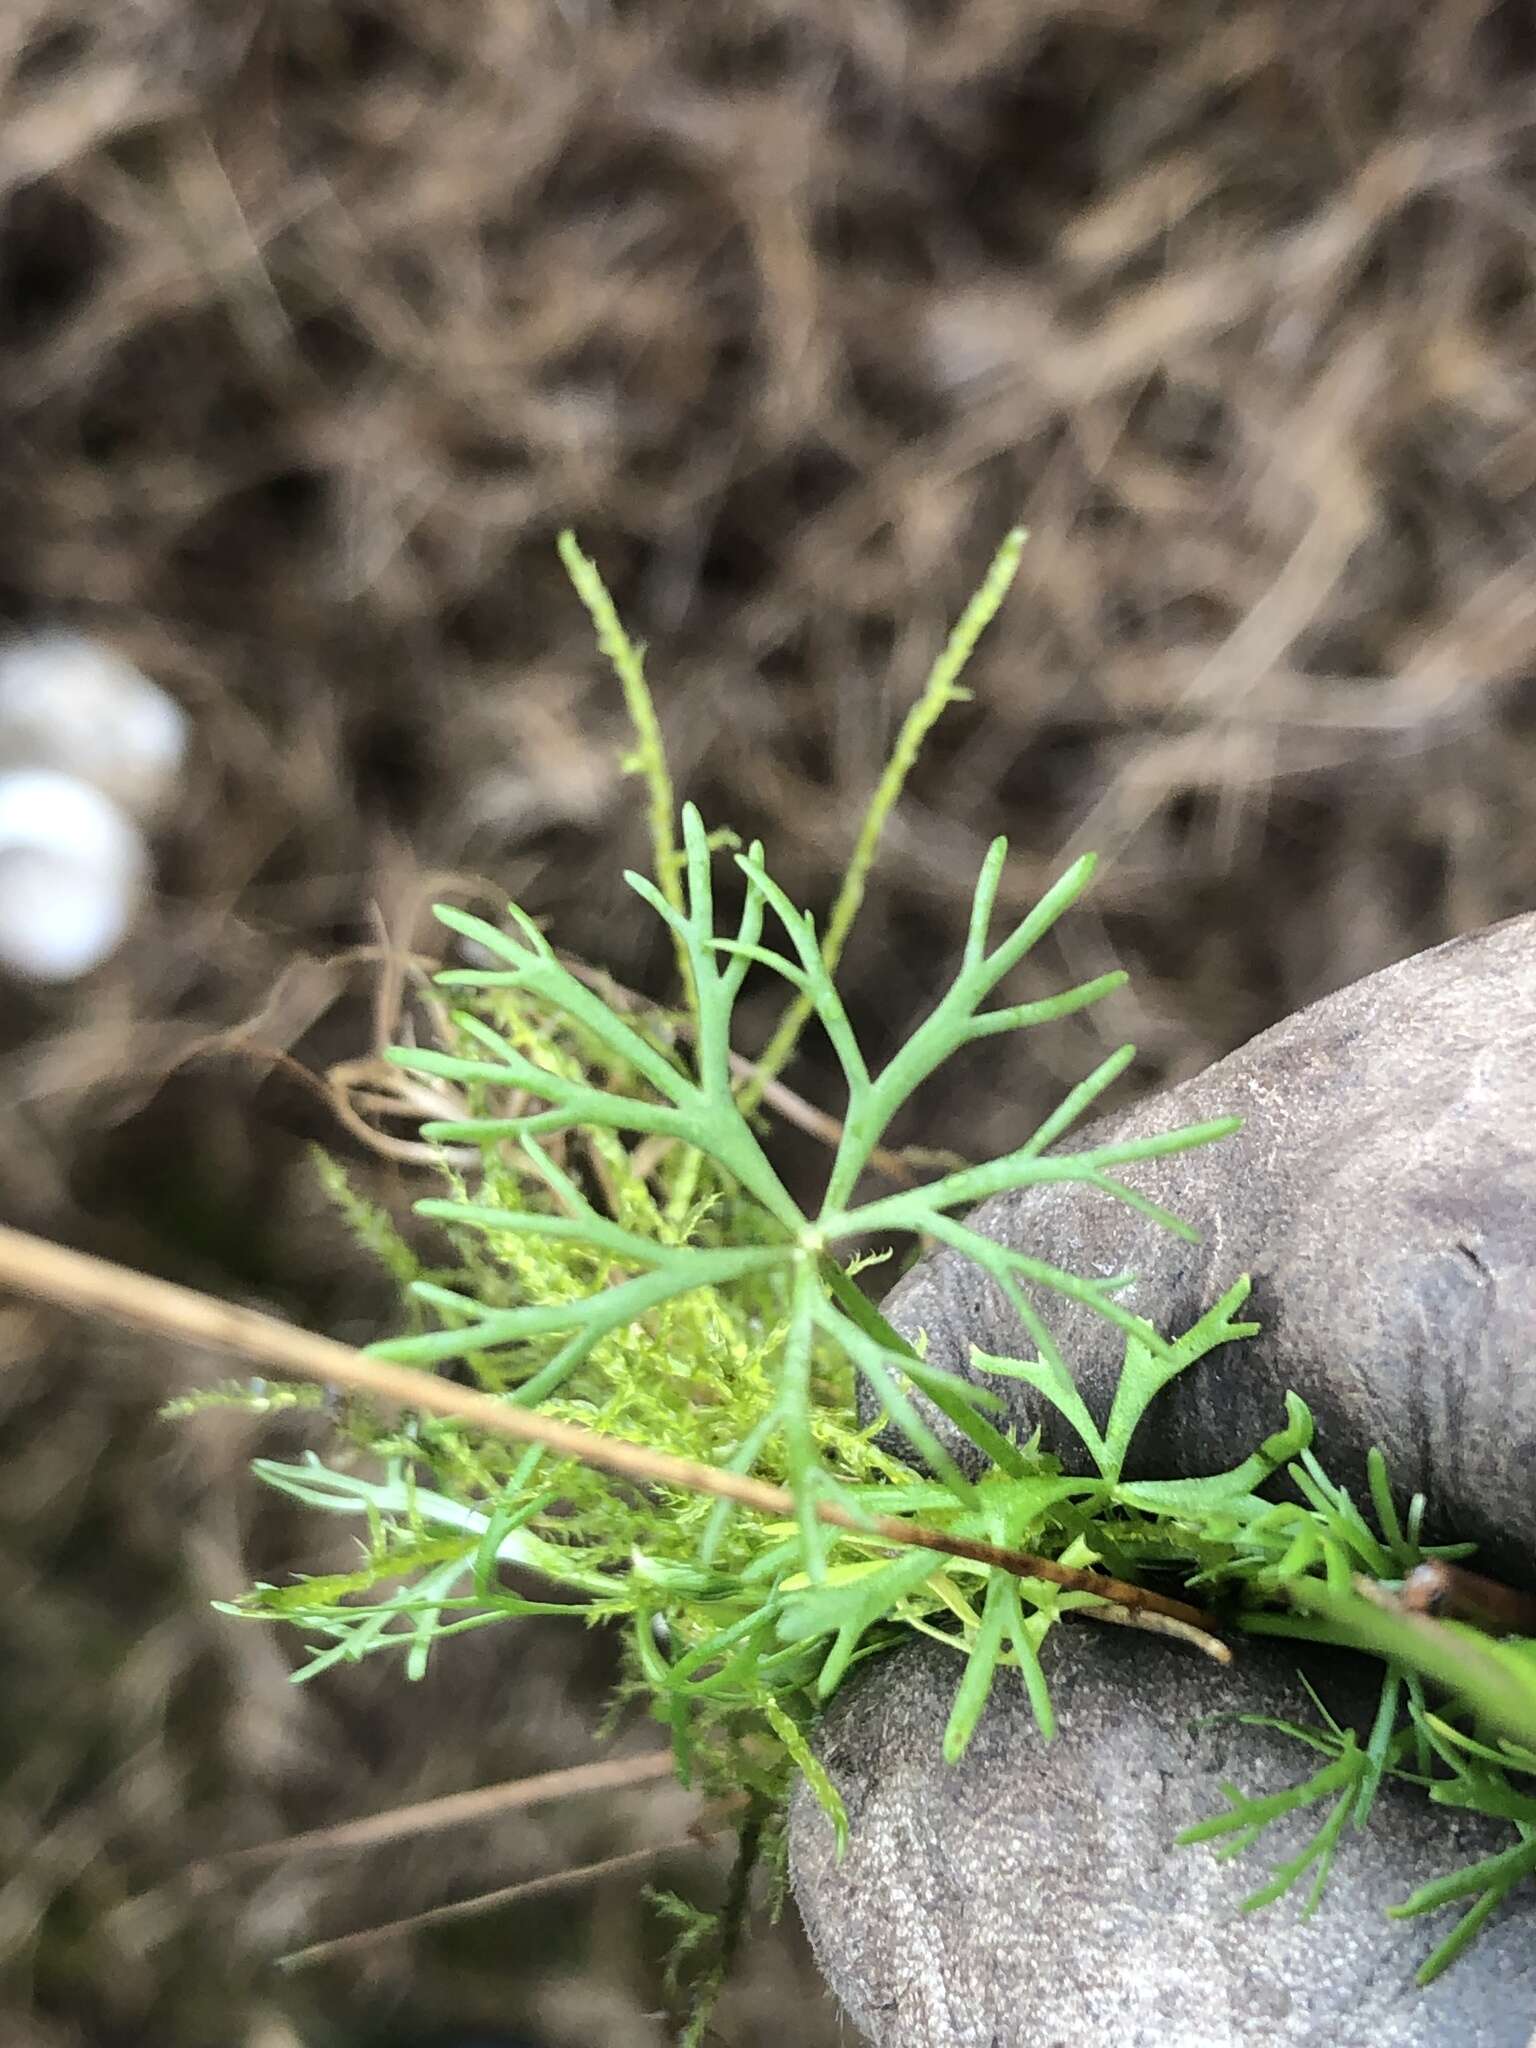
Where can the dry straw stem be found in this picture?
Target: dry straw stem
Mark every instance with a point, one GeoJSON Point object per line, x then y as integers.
{"type": "Point", "coordinates": [454, 1809]}
{"type": "Point", "coordinates": [91, 1286]}
{"type": "Point", "coordinates": [486, 1902]}
{"type": "Point", "coordinates": [1452, 1593]}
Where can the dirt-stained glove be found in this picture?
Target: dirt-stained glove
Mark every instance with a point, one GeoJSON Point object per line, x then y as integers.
{"type": "Point", "coordinates": [1382, 1193]}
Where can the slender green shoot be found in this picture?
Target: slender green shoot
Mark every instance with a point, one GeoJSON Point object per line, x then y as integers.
{"type": "Point", "coordinates": [940, 691]}
{"type": "Point", "coordinates": [649, 758]}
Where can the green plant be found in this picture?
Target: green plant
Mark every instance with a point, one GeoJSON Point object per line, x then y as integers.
{"type": "Point", "coordinates": [626, 1257]}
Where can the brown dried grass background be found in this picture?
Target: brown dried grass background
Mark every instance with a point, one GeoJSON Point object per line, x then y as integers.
{"type": "Point", "coordinates": [317, 323]}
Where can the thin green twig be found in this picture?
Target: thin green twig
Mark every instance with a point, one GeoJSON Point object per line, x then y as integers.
{"type": "Point", "coordinates": [939, 692]}
{"type": "Point", "coordinates": [649, 759]}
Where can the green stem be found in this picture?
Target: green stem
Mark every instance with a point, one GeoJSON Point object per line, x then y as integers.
{"type": "Point", "coordinates": [939, 692]}
{"type": "Point", "coordinates": [649, 759]}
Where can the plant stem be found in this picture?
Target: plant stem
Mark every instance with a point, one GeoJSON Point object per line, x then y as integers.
{"type": "Point", "coordinates": [488, 1902]}
{"type": "Point", "coordinates": [91, 1286]}
{"type": "Point", "coordinates": [650, 756]}
{"type": "Point", "coordinates": [1451, 1593]}
{"type": "Point", "coordinates": [939, 692]}
{"type": "Point", "coordinates": [453, 1809]}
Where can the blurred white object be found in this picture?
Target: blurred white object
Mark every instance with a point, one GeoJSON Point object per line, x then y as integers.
{"type": "Point", "coordinates": [70, 703]}
{"type": "Point", "coordinates": [73, 868]}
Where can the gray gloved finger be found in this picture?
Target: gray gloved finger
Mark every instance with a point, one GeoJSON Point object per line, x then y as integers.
{"type": "Point", "coordinates": [1032, 1896]}
{"type": "Point", "coordinates": [1382, 1194]}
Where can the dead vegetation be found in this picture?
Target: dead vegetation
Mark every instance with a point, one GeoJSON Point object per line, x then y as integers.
{"type": "Point", "coordinates": [316, 325]}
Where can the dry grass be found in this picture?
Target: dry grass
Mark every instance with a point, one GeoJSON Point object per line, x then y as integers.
{"type": "Point", "coordinates": [316, 324]}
